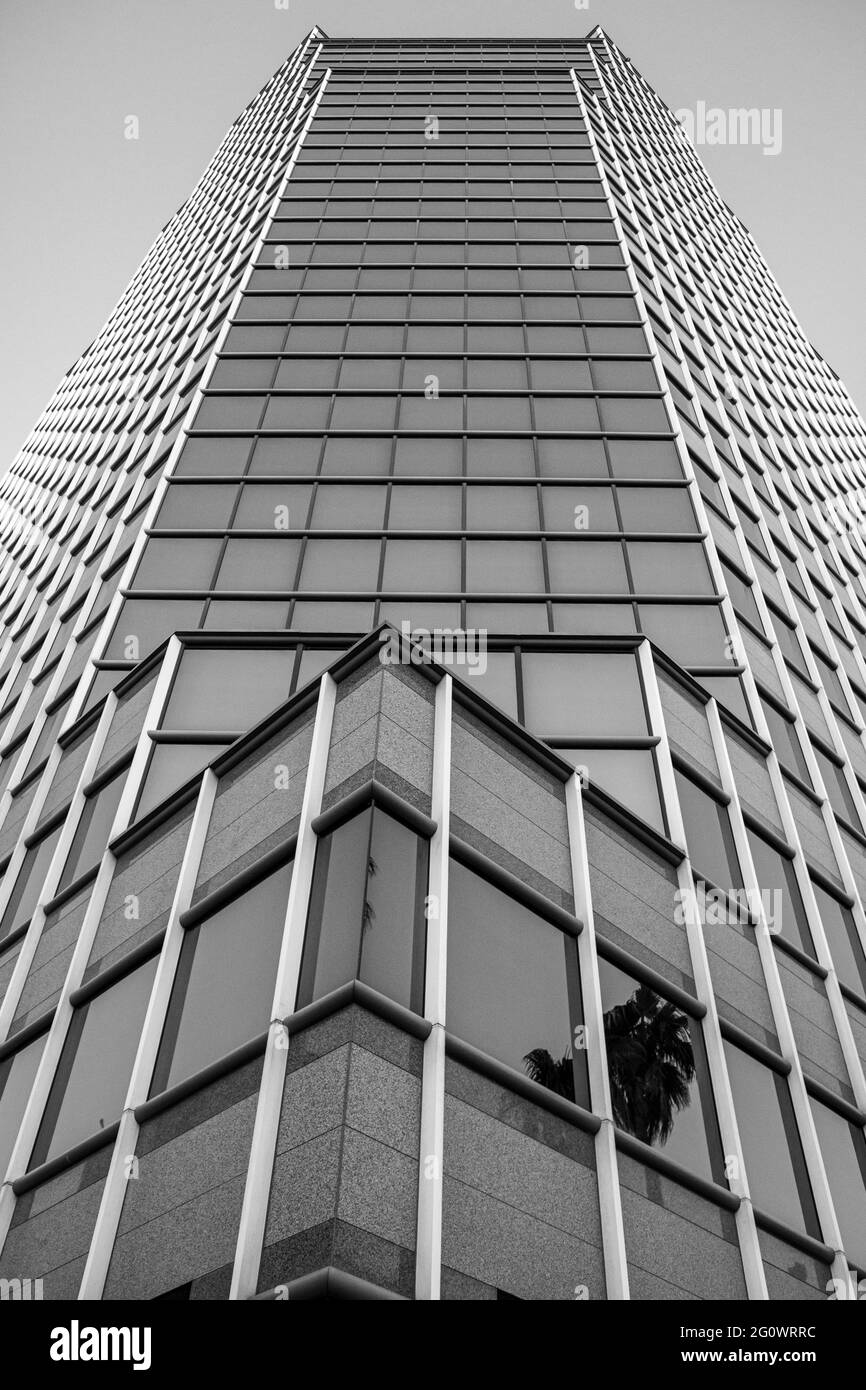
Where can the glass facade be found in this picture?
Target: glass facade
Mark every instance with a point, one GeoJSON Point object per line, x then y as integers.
{"type": "Point", "coordinates": [424, 348]}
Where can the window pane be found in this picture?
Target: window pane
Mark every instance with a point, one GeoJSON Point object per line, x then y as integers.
{"type": "Point", "coordinates": [513, 985]}
{"type": "Point", "coordinates": [594, 694]}
{"type": "Point", "coordinates": [504, 567]}
{"type": "Point", "coordinates": [708, 835]}
{"type": "Point", "coordinates": [587, 567]}
{"type": "Point", "coordinates": [655, 1059]}
{"type": "Point", "coordinates": [780, 893]}
{"type": "Point", "coordinates": [778, 1181]}
{"type": "Point", "coordinates": [91, 836]}
{"type": "Point", "coordinates": [17, 1074]}
{"type": "Point", "coordinates": [845, 948]}
{"type": "Point", "coordinates": [340, 565]}
{"type": "Point", "coordinates": [29, 883]}
{"type": "Point", "coordinates": [628, 774]}
{"type": "Point", "coordinates": [170, 766]}
{"type": "Point", "coordinates": [366, 912]}
{"type": "Point", "coordinates": [228, 690]}
{"type": "Point", "coordinates": [225, 981]}
{"type": "Point", "coordinates": [844, 1152]}
{"type": "Point", "coordinates": [661, 568]}
{"type": "Point", "coordinates": [97, 1060]}
{"type": "Point", "coordinates": [422, 566]}
{"type": "Point", "coordinates": [693, 634]}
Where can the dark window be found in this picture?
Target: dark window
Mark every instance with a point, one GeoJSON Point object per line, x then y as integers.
{"type": "Point", "coordinates": [94, 828]}
{"type": "Point", "coordinates": [708, 835]}
{"type": "Point", "coordinates": [780, 892]}
{"type": "Point", "coordinates": [366, 917]}
{"type": "Point", "coordinates": [224, 985]}
{"type": "Point", "coordinates": [844, 1151]}
{"type": "Point", "coordinates": [776, 1168]}
{"type": "Point", "coordinates": [29, 883]}
{"type": "Point", "coordinates": [93, 1073]}
{"type": "Point", "coordinates": [845, 947]}
{"type": "Point", "coordinates": [17, 1074]}
{"type": "Point", "coordinates": [514, 985]}
{"type": "Point", "coordinates": [660, 1087]}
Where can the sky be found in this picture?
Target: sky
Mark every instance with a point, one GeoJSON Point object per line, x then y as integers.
{"type": "Point", "coordinates": [82, 204]}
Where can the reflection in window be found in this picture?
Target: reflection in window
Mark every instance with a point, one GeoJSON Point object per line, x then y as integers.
{"type": "Point", "coordinates": [93, 1073]}
{"type": "Point", "coordinates": [514, 985]}
{"type": "Point", "coordinates": [593, 694]}
{"type": "Point", "coordinates": [657, 1070]}
{"type": "Point", "coordinates": [778, 1181]}
{"type": "Point", "coordinates": [366, 917]}
{"type": "Point", "coordinates": [225, 980]}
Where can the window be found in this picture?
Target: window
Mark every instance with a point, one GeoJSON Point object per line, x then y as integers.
{"type": "Point", "coordinates": [778, 1181]}
{"type": "Point", "coordinates": [845, 947]}
{"type": "Point", "coordinates": [593, 694]}
{"type": "Point", "coordinates": [170, 766]}
{"type": "Point", "coordinates": [504, 567]}
{"type": "Point", "coordinates": [93, 1073]}
{"type": "Point", "coordinates": [228, 691]}
{"type": "Point", "coordinates": [780, 893]}
{"type": "Point", "coordinates": [335, 565]}
{"type": "Point", "coordinates": [225, 980]}
{"type": "Point", "coordinates": [261, 565]}
{"type": "Point", "coordinates": [513, 987]}
{"type": "Point", "coordinates": [144, 623]}
{"type": "Point", "coordinates": [659, 1081]}
{"type": "Point", "coordinates": [174, 564]}
{"type": "Point", "coordinates": [94, 828]}
{"type": "Point", "coordinates": [786, 743]}
{"type": "Point", "coordinates": [422, 566]}
{"type": "Point", "coordinates": [195, 508]}
{"type": "Point", "coordinates": [838, 791]}
{"type": "Point", "coordinates": [366, 917]}
{"type": "Point", "coordinates": [693, 634]}
{"type": "Point", "coordinates": [659, 567]}
{"type": "Point", "coordinates": [587, 567]}
{"type": "Point", "coordinates": [843, 1148]}
{"type": "Point", "coordinates": [628, 774]}
{"type": "Point", "coordinates": [708, 834]}
{"type": "Point", "coordinates": [30, 882]}
{"type": "Point", "coordinates": [17, 1074]}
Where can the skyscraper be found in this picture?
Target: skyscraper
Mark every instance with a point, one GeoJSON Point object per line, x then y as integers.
{"type": "Point", "coordinates": [521, 953]}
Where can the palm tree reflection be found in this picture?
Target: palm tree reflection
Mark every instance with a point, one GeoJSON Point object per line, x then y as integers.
{"type": "Point", "coordinates": [651, 1065]}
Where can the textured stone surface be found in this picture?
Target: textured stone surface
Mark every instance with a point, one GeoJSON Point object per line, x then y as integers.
{"type": "Point", "coordinates": [251, 814]}
{"type": "Point", "coordinates": [738, 980]}
{"type": "Point", "coordinates": [490, 1241]}
{"type": "Point", "coordinates": [790, 1274]}
{"type": "Point", "coordinates": [813, 833]}
{"type": "Point", "coordinates": [15, 818]}
{"type": "Point", "coordinates": [517, 808]}
{"type": "Point", "coordinates": [127, 723]}
{"type": "Point", "coordinates": [633, 900]}
{"type": "Point", "coordinates": [51, 959]}
{"type": "Point", "coordinates": [52, 1240]}
{"type": "Point", "coordinates": [753, 781]}
{"type": "Point", "coordinates": [66, 776]}
{"type": "Point", "coordinates": [504, 1105]}
{"type": "Point", "coordinates": [685, 1255]}
{"type": "Point", "coordinates": [180, 1215]}
{"type": "Point", "coordinates": [149, 872]}
{"type": "Point", "coordinates": [7, 965]}
{"type": "Point", "coordinates": [687, 726]}
{"type": "Point", "coordinates": [814, 1030]}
